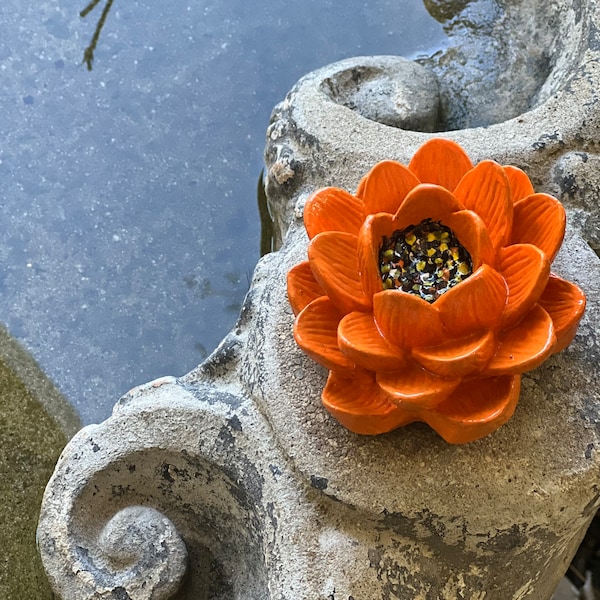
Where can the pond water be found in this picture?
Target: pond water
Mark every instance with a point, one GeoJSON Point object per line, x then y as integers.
{"type": "Point", "coordinates": [130, 227]}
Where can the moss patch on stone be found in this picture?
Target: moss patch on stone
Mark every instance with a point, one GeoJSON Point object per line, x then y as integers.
{"type": "Point", "coordinates": [30, 443]}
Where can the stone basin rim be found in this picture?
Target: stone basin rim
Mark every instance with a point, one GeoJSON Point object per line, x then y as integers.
{"type": "Point", "coordinates": [528, 129]}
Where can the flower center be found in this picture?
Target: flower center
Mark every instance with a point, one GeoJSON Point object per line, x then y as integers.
{"type": "Point", "coordinates": [425, 259]}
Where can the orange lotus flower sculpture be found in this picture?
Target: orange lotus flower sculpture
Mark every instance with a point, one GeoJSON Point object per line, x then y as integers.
{"type": "Point", "coordinates": [428, 293]}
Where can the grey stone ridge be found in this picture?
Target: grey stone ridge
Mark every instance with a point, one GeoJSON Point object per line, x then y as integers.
{"type": "Point", "coordinates": [234, 482]}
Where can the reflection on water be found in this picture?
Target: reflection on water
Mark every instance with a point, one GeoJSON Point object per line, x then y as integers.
{"type": "Point", "coordinates": [88, 53]}
{"type": "Point", "coordinates": [128, 206]}
{"type": "Point", "coordinates": [35, 423]}
{"type": "Point", "coordinates": [267, 232]}
{"type": "Point", "coordinates": [444, 10]}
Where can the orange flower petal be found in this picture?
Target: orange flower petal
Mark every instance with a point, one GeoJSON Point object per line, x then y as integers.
{"type": "Point", "coordinates": [520, 186]}
{"type": "Point", "coordinates": [302, 287]}
{"type": "Point", "coordinates": [333, 258]}
{"type": "Point", "coordinates": [315, 331]}
{"type": "Point", "coordinates": [474, 304]}
{"type": "Point", "coordinates": [370, 240]}
{"type": "Point", "coordinates": [385, 187]}
{"type": "Point", "coordinates": [426, 202]}
{"type": "Point", "coordinates": [414, 388]}
{"type": "Point", "coordinates": [565, 303]}
{"type": "Point", "coordinates": [406, 320]}
{"type": "Point", "coordinates": [332, 209]}
{"type": "Point", "coordinates": [525, 346]}
{"type": "Point", "coordinates": [457, 358]}
{"type": "Point", "coordinates": [485, 190]}
{"type": "Point", "coordinates": [440, 161]}
{"type": "Point", "coordinates": [360, 340]}
{"type": "Point", "coordinates": [475, 409]}
{"type": "Point", "coordinates": [471, 232]}
{"type": "Point", "coordinates": [361, 406]}
{"type": "Point", "coordinates": [540, 220]}
{"type": "Point", "coordinates": [525, 269]}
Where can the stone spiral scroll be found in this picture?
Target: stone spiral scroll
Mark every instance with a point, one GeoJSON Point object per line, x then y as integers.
{"type": "Point", "coordinates": [233, 482]}
{"type": "Point", "coordinates": [144, 549]}
{"type": "Point", "coordinates": [147, 514]}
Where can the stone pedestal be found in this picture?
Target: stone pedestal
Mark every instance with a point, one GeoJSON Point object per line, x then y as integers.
{"type": "Point", "coordinates": [233, 481]}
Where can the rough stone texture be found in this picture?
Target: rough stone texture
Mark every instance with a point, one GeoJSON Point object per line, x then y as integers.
{"type": "Point", "coordinates": [498, 518]}
{"type": "Point", "coordinates": [403, 94]}
{"type": "Point", "coordinates": [504, 57]}
{"type": "Point", "coordinates": [271, 497]}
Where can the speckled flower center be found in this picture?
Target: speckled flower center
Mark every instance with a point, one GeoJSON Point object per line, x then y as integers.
{"type": "Point", "coordinates": [425, 259]}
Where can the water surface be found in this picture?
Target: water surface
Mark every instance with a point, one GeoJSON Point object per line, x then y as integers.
{"type": "Point", "coordinates": [128, 194]}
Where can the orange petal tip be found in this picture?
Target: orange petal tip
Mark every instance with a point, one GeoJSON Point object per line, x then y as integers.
{"type": "Point", "coordinates": [440, 161]}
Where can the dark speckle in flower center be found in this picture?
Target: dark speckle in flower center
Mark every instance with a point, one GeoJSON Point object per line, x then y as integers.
{"type": "Point", "coordinates": [424, 259]}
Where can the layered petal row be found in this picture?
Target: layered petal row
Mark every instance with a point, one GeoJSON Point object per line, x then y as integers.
{"type": "Point", "coordinates": [428, 293]}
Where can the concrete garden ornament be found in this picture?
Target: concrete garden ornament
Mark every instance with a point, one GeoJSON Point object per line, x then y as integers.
{"type": "Point", "coordinates": [428, 293]}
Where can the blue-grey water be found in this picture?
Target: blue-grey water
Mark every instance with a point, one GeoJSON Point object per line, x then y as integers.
{"type": "Point", "coordinates": [128, 221]}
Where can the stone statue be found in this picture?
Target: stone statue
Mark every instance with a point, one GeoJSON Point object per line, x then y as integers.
{"type": "Point", "coordinates": [234, 482]}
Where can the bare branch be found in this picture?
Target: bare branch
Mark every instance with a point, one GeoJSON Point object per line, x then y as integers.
{"type": "Point", "coordinates": [88, 53]}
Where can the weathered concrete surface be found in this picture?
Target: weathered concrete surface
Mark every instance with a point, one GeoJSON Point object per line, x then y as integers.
{"type": "Point", "coordinates": [503, 515]}
{"type": "Point", "coordinates": [271, 497]}
{"type": "Point", "coordinates": [293, 506]}
{"type": "Point", "coordinates": [403, 94]}
{"type": "Point", "coordinates": [504, 58]}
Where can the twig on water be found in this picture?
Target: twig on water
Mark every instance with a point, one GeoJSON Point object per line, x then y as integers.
{"type": "Point", "coordinates": [88, 53]}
